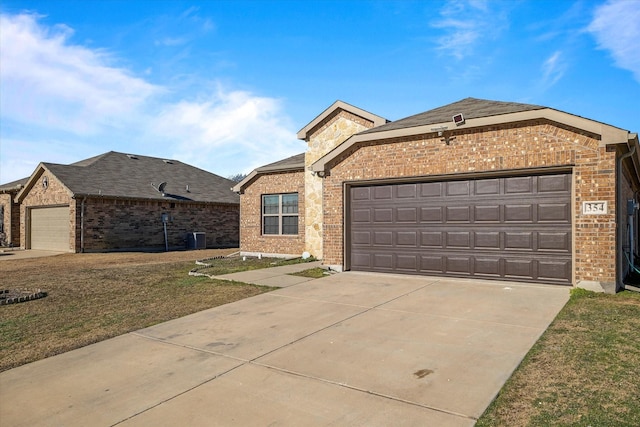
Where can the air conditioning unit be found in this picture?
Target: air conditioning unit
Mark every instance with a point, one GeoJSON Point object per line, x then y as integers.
{"type": "Point", "coordinates": [196, 240]}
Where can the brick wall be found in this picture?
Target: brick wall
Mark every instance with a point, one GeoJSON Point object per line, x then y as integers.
{"type": "Point", "coordinates": [517, 147]}
{"type": "Point", "coordinates": [251, 237]}
{"type": "Point", "coordinates": [10, 230]}
{"type": "Point", "coordinates": [117, 224]}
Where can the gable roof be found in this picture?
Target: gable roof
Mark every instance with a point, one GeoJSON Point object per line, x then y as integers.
{"type": "Point", "coordinates": [375, 119]}
{"type": "Point", "coordinates": [477, 113]}
{"type": "Point", "coordinates": [129, 176]}
{"type": "Point", "coordinates": [292, 163]}
{"type": "Point", "coordinates": [13, 186]}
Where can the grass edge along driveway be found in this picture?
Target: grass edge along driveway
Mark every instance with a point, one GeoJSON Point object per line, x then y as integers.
{"type": "Point", "coordinates": [583, 371]}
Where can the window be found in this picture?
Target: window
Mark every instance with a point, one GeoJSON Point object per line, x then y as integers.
{"type": "Point", "coordinates": [280, 214]}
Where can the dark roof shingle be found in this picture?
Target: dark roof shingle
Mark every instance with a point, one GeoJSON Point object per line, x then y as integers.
{"type": "Point", "coordinates": [115, 174]}
{"type": "Point", "coordinates": [471, 108]}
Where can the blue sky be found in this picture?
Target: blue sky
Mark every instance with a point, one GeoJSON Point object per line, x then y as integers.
{"type": "Point", "coordinates": [225, 85]}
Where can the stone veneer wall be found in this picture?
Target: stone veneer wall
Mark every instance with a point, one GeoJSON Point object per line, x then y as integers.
{"type": "Point", "coordinates": [520, 146]}
{"type": "Point", "coordinates": [118, 224]}
{"type": "Point", "coordinates": [327, 135]}
{"type": "Point", "coordinates": [55, 194]}
{"type": "Point", "coordinates": [251, 237]}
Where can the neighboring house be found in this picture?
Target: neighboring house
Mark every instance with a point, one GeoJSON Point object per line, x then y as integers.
{"type": "Point", "coordinates": [118, 201]}
{"type": "Point", "coordinates": [477, 188]}
{"type": "Point", "coordinates": [10, 213]}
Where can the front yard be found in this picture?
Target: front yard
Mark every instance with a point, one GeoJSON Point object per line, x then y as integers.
{"type": "Point", "coordinates": [92, 297]}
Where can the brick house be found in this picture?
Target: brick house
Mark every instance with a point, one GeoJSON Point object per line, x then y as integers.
{"type": "Point", "coordinates": [118, 201]}
{"type": "Point", "coordinates": [10, 213]}
{"type": "Point", "coordinates": [476, 188]}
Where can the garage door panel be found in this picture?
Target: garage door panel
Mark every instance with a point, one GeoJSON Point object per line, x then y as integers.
{"type": "Point", "coordinates": [432, 264]}
{"type": "Point", "coordinates": [361, 193]}
{"type": "Point", "coordinates": [487, 187]}
{"type": "Point", "coordinates": [458, 239]}
{"type": "Point", "coordinates": [406, 191]}
{"type": "Point", "coordinates": [383, 192]}
{"type": "Point", "coordinates": [383, 215]}
{"type": "Point", "coordinates": [431, 239]}
{"type": "Point", "coordinates": [407, 215]}
{"type": "Point", "coordinates": [518, 213]}
{"type": "Point", "coordinates": [458, 213]}
{"type": "Point", "coordinates": [554, 241]}
{"type": "Point", "coordinates": [554, 212]}
{"type": "Point", "coordinates": [519, 240]}
{"type": "Point", "coordinates": [460, 265]}
{"type": "Point", "coordinates": [431, 214]}
{"type": "Point", "coordinates": [553, 270]}
{"type": "Point", "coordinates": [407, 238]}
{"type": "Point", "coordinates": [361, 215]}
{"type": "Point", "coordinates": [511, 228]}
{"type": "Point", "coordinates": [487, 213]}
{"type": "Point", "coordinates": [458, 188]}
{"type": "Point", "coordinates": [519, 268]}
{"type": "Point", "coordinates": [383, 238]}
{"type": "Point", "coordinates": [519, 185]}
{"type": "Point", "coordinates": [383, 261]}
{"type": "Point", "coordinates": [50, 228]}
{"type": "Point", "coordinates": [487, 267]}
{"type": "Point", "coordinates": [487, 240]}
{"type": "Point", "coordinates": [431, 189]}
{"type": "Point", "coordinates": [554, 183]}
{"type": "Point", "coordinates": [362, 238]}
{"type": "Point", "coordinates": [361, 261]}
{"type": "Point", "coordinates": [407, 262]}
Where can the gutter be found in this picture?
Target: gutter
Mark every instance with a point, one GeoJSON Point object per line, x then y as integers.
{"type": "Point", "coordinates": [82, 224]}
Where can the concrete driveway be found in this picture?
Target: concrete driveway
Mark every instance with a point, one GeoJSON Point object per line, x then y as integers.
{"type": "Point", "coordinates": [348, 349]}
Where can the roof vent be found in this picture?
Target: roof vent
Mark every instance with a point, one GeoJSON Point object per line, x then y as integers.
{"type": "Point", "coordinates": [132, 156]}
{"type": "Point", "coordinates": [167, 161]}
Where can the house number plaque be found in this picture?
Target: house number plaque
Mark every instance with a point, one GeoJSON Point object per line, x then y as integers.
{"type": "Point", "coordinates": [594, 208]}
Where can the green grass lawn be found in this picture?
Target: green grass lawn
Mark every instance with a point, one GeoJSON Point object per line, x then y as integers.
{"type": "Point", "coordinates": [584, 370]}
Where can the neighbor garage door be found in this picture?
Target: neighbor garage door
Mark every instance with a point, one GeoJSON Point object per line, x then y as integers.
{"type": "Point", "coordinates": [509, 228]}
{"type": "Point", "coordinates": [50, 228]}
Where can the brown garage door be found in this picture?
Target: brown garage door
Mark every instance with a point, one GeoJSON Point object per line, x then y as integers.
{"type": "Point", "coordinates": [510, 228]}
{"type": "Point", "coordinates": [50, 228]}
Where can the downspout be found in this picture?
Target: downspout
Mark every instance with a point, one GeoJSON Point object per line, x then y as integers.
{"type": "Point", "coordinates": [619, 216]}
{"type": "Point", "coordinates": [84, 199]}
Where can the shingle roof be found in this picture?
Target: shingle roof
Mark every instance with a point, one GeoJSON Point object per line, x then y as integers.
{"type": "Point", "coordinates": [115, 174]}
{"type": "Point", "coordinates": [13, 186]}
{"type": "Point", "coordinates": [293, 162]}
{"type": "Point", "coordinates": [471, 108]}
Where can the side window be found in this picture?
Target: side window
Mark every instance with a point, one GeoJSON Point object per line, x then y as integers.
{"type": "Point", "coordinates": [280, 214]}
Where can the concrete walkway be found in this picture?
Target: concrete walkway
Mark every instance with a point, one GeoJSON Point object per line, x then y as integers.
{"type": "Point", "coordinates": [14, 254]}
{"type": "Point", "coordinates": [348, 349]}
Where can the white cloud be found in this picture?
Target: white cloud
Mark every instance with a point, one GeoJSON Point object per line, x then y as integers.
{"type": "Point", "coordinates": [465, 24]}
{"type": "Point", "coordinates": [50, 83]}
{"type": "Point", "coordinates": [616, 28]}
{"type": "Point", "coordinates": [553, 69]}
{"type": "Point", "coordinates": [54, 90]}
{"type": "Point", "coordinates": [229, 124]}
